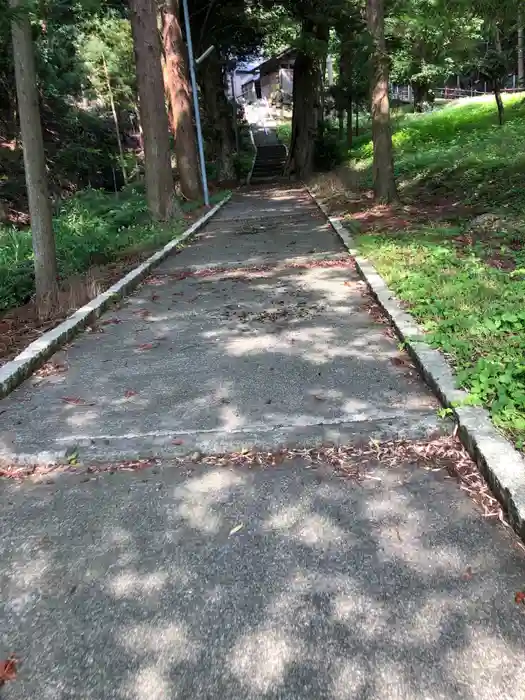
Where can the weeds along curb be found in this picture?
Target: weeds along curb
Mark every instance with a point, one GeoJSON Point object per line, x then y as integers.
{"type": "Point", "coordinates": [500, 463]}
{"type": "Point", "coordinates": [23, 365]}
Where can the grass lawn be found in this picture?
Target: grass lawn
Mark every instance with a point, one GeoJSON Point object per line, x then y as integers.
{"type": "Point", "coordinates": [461, 274]}
{"type": "Point", "coordinates": [91, 228]}
{"type": "Point", "coordinates": [470, 310]}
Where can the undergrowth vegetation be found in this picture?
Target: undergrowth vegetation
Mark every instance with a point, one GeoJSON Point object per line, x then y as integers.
{"type": "Point", "coordinates": [458, 151]}
{"type": "Point", "coordinates": [92, 228]}
{"type": "Point", "coordinates": [464, 282]}
{"type": "Point", "coordinates": [471, 311]}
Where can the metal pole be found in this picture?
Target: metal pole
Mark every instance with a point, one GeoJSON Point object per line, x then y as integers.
{"type": "Point", "coordinates": [235, 125]}
{"type": "Point", "coordinates": [200, 141]}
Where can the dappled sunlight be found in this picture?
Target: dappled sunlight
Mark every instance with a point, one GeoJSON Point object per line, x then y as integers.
{"type": "Point", "coordinates": [281, 581]}
{"type": "Point", "coordinates": [312, 529]}
{"type": "Point", "coordinates": [171, 641]}
{"type": "Point", "coordinates": [151, 682]}
{"type": "Point", "coordinates": [261, 659]}
{"type": "Point", "coordinates": [198, 499]}
{"type": "Point", "coordinates": [351, 679]}
{"type": "Point", "coordinates": [131, 584]}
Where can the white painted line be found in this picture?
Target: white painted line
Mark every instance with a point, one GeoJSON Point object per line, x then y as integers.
{"type": "Point", "coordinates": [501, 464]}
{"type": "Point", "coordinates": [36, 353]}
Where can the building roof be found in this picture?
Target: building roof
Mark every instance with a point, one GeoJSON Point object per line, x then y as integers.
{"type": "Point", "coordinates": [271, 64]}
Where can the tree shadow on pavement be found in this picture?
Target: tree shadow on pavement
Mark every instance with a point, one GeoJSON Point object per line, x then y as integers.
{"type": "Point", "coordinates": [284, 582]}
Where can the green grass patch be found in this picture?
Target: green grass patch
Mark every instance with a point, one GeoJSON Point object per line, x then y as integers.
{"type": "Point", "coordinates": [458, 151]}
{"type": "Point", "coordinates": [91, 228]}
{"type": "Point", "coordinates": [284, 132]}
{"type": "Point", "coordinates": [470, 310]}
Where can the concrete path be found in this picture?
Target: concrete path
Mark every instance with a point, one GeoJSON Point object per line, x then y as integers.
{"type": "Point", "coordinates": [194, 580]}
{"type": "Point", "coordinates": [255, 334]}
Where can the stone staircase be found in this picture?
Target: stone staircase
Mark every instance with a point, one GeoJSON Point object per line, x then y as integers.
{"type": "Point", "coordinates": [271, 156]}
{"type": "Point", "coordinates": [269, 163]}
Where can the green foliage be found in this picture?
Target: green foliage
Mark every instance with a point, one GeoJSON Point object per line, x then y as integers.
{"type": "Point", "coordinates": [430, 40]}
{"type": "Point", "coordinates": [93, 227]}
{"type": "Point", "coordinates": [459, 149]}
{"type": "Point", "coordinates": [471, 311]}
{"type": "Point", "coordinates": [329, 151]}
{"type": "Point", "coordinates": [105, 44]}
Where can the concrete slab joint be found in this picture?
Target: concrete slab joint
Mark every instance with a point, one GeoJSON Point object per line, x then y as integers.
{"type": "Point", "coordinates": [13, 373]}
{"type": "Point", "coordinates": [501, 464]}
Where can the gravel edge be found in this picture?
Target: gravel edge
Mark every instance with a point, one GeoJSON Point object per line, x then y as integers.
{"type": "Point", "coordinates": [13, 373]}
{"type": "Point", "coordinates": [500, 463]}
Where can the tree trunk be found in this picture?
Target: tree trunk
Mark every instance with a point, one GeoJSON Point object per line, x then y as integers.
{"type": "Point", "coordinates": [349, 132]}
{"type": "Point", "coordinates": [499, 104]}
{"type": "Point", "coordinates": [341, 123]}
{"type": "Point", "coordinates": [304, 118]}
{"type": "Point", "coordinates": [307, 114]}
{"type": "Point", "coordinates": [497, 81]}
{"type": "Point", "coordinates": [218, 116]}
{"type": "Point", "coordinates": [180, 99]}
{"type": "Point", "coordinates": [34, 161]}
{"type": "Point", "coordinates": [115, 121]}
{"type": "Point", "coordinates": [153, 117]}
{"type": "Point", "coordinates": [521, 67]}
{"type": "Point", "coordinates": [345, 82]}
{"type": "Point", "coordinates": [383, 166]}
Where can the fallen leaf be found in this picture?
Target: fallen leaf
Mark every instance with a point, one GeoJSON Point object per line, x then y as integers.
{"type": "Point", "coordinates": [347, 283]}
{"type": "Point", "coordinates": [154, 297]}
{"type": "Point", "coordinates": [467, 574]}
{"type": "Point", "coordinates": [110, 322]}
{"type": "Point", "coordinates": [178, 441]}
{"type": "Point", "coordinates": [73, 459]}
{"type": "Point", "coordinates": [129, 393]}
{"type": "Point", "coordinates": [8, 670]}
{"type": "Point", "coordinates": [146, 346]}
{"type": "Point", "coordinates": [519, 598]}
{"type": "Point", "coordinates": [235, 529]}
{"type": "Point", "coordinates": [75, 400]}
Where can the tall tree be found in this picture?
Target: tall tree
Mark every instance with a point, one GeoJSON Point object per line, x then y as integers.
{"type": "Point", "coordinates": [307, 103]}
{"type": "Point", "coordinates": [233, 30]}
{"type": "Point", "coordinates": [154, 120]}
{"type": "Point", "coordinates": [521, 66]}
{"type": "Point", "coordinates": [34, 159]}
{"type": "Point", "coordinates": [383, 167]}
{"type": "Point", "coordinates": [178, 88]}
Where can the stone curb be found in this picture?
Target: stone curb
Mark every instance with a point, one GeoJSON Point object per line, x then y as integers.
{"type": "Point", "coordinates": [36, 353]}
{"type": "Point", "coordinates": [500, 463]}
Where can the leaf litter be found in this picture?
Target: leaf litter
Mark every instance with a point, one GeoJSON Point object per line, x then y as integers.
{"type": "Point", "coordinates": [8, 669]}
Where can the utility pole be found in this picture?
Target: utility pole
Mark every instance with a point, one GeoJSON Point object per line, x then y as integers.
{"type": "Point", "coordinates": [193, 63]}
{"type": "Point", "coordinates": [234, 98]}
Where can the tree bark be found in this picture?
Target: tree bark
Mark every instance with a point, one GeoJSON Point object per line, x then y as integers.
{"type": "Point", "coordinates": [345, 81]}
{"type": "Point", "coordinates": [307, 114]}
{"type": "Point", "coordinates": [218, 116]}
{"type": "Point", "coordinates": [383, 166]}
{"type": "Point", "coordinates": [180, 99]}
{"type": "Point", "coordinates": [34, 162]}
{"type": "Point", "coordinates": [154, 120]}
{"type": "Point", "coordinates": [521, 67]}
{"type": "Point", "coordinates": [341, 123]}
{"type": "Point", "coordinates": [349, 131]}
{"type": "Point", "coordinates": [497, 78]}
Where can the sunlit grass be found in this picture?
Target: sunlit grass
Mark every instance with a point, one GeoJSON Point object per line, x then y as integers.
{"type": "Point", "coordinates": [460, 151]}
{"type": "Point", "coordinates": [471, 311]}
